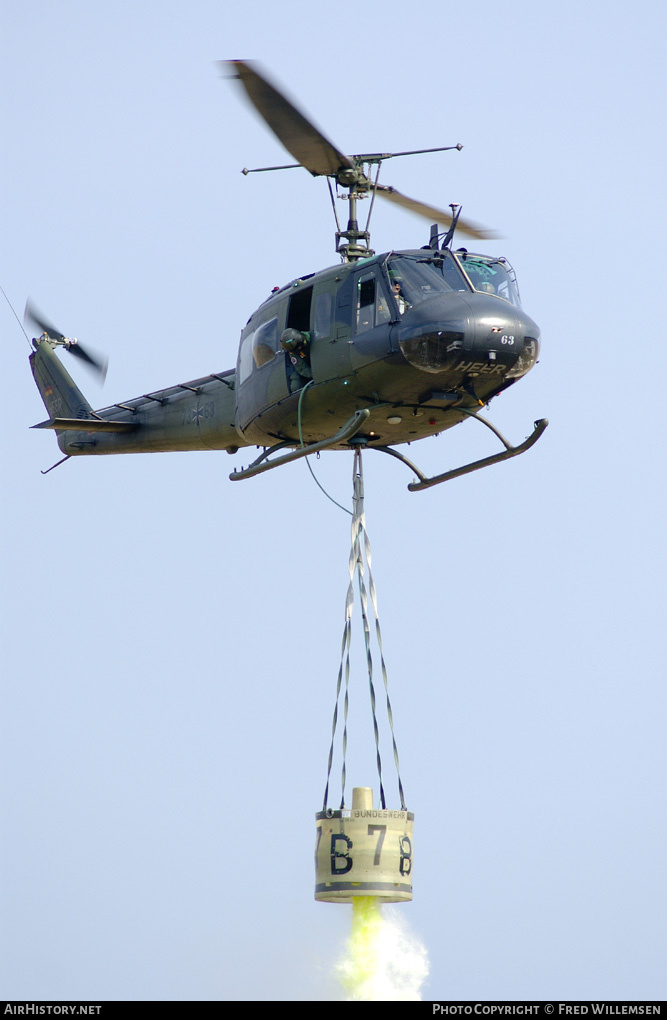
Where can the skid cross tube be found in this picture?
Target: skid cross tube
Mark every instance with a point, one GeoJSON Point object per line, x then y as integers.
{"type": "Point", "coordinates": [509, 451]}
{"type": "Point", "coordinates": [351, 426]}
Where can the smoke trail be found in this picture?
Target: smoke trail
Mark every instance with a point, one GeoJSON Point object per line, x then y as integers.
{"type": "Point", "coordinates": [383, 961]}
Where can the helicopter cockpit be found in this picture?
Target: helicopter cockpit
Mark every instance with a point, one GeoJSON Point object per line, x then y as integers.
{"type": "Point", "coordinates": [490, 276]}
{"type": "Point", "coordinates": [416, 278]}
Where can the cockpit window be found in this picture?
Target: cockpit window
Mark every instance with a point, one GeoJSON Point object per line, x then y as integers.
{"type": "Point", "coordinates": [491, 276]}
{"type": "Point", "coordinates": [416, 278]}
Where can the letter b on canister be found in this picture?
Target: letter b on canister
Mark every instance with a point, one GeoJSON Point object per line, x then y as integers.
{"type": "Point", "coordinates": [362, 851]}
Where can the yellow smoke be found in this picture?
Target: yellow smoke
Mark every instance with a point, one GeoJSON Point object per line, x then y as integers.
{"type": "Point", "coordinates": [360, 966]}
{"type": "Point", "coordinates": [383, 961]}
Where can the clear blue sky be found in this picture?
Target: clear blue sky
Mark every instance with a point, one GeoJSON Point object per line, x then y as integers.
{"type": "Point", "coordinates": [172, 639]}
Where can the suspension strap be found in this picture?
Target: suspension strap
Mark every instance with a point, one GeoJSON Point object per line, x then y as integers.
{"type": "Point", "coordinates": [359, 518]}
{"type": "Point", "coordinates": [344, 667]}
{"type": "Point", "coordinates": [360, 563]}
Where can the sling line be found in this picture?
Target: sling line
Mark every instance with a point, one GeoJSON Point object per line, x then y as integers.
{"type": "Point", "coordinates": [359, 563]}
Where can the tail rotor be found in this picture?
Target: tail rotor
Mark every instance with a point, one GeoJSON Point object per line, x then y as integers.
{"type": "Point", "coordinates": [95, 362]}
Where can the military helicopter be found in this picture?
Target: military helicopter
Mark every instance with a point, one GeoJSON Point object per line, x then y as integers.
{"type": "Point", "coordinates": [376, 351]}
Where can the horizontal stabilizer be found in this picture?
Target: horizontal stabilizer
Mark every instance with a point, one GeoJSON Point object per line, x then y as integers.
{"type": "Point", "coordinates": [87, 425]}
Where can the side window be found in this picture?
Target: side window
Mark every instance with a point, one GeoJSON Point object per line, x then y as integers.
{"type": "Point", "coordinates": [382, 313]}
{"type": "Point", "coordinates": [323, 315]}
{"type": "Point", "coordinates": [245, 356]}
{"type": "Point", "coordinates": [258, 347]}
{"type": "Point", "coordinates": [372, 304]}
{"type": "Point", "coordinates": [365, 303]}
{"type": "Point", "coordinates": [265, 342]}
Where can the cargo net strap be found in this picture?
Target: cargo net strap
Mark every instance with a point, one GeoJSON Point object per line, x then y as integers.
{"type": "Point", "coordinates": [360, 563]}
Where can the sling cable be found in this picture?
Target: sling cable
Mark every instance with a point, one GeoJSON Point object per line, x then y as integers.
{"type": "Point", "coordinates": [362, 851]}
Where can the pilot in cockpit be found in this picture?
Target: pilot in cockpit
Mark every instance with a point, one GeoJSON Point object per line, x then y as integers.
{"type": "Point", "coordinates": [397, 290]}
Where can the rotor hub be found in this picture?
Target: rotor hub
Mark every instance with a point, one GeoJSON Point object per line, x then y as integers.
{"type": "Point", "coordinates": [347, 177]}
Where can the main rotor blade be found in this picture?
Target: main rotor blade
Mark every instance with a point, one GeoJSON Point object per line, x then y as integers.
{"type": "Point", "coordinates": [32, 315]}
{"type": "Point", "coordinates": [301, 138]}
{"type": "Point", "coordinates": [429, 212]}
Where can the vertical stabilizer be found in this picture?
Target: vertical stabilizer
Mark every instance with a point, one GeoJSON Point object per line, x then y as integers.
{"type": "Point", "coordinates": [62, 397]}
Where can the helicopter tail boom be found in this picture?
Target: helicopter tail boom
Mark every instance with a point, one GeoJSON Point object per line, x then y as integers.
{"type": "Point", "coordinates": [198, 415]}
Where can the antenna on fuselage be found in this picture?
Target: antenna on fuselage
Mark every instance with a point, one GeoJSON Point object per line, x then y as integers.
{"type": "Point", "coordinates": [449, 236]}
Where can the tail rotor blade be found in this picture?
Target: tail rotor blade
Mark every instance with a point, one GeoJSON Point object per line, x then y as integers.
{"type": "Point", "coordinates": [35, 317]}
{"type": "Point", "coordinates": [95, 362]}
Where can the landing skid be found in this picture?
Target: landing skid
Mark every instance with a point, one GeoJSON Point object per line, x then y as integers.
{"type": "Point", "coordinates": [509, 451]}
{"type": "Point", "coordinates": [352, 426]}
{"type": "Point", "coordinates": [349, 429]}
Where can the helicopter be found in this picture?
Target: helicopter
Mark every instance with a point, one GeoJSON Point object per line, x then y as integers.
{"type": "Point", "coordinates": [375, 352]}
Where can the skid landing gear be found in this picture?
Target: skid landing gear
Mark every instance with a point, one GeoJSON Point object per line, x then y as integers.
{"type": "Point", "coordinates": [349, 429]}
{"type": "Point", "coordinates": [509, 451]}
{"type": "Point", "coordinates": [348, 433]}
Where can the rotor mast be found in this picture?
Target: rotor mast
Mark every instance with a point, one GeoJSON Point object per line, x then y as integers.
{"type": "Point", "coordinates": [321, 158]}
{"type": "Point", "coordinates": [357, 244]}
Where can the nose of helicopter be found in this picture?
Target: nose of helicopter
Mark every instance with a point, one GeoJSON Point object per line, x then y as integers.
{"type": "Point", "coordinates": [474, 333]}
{"type": "Point", "coordinates": [502, 335]}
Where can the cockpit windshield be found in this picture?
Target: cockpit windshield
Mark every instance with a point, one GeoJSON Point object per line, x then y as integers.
{"type": "Point", "coordinates": [414, 278]}
{"type": "Point", "coordinates": [490, 276]}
